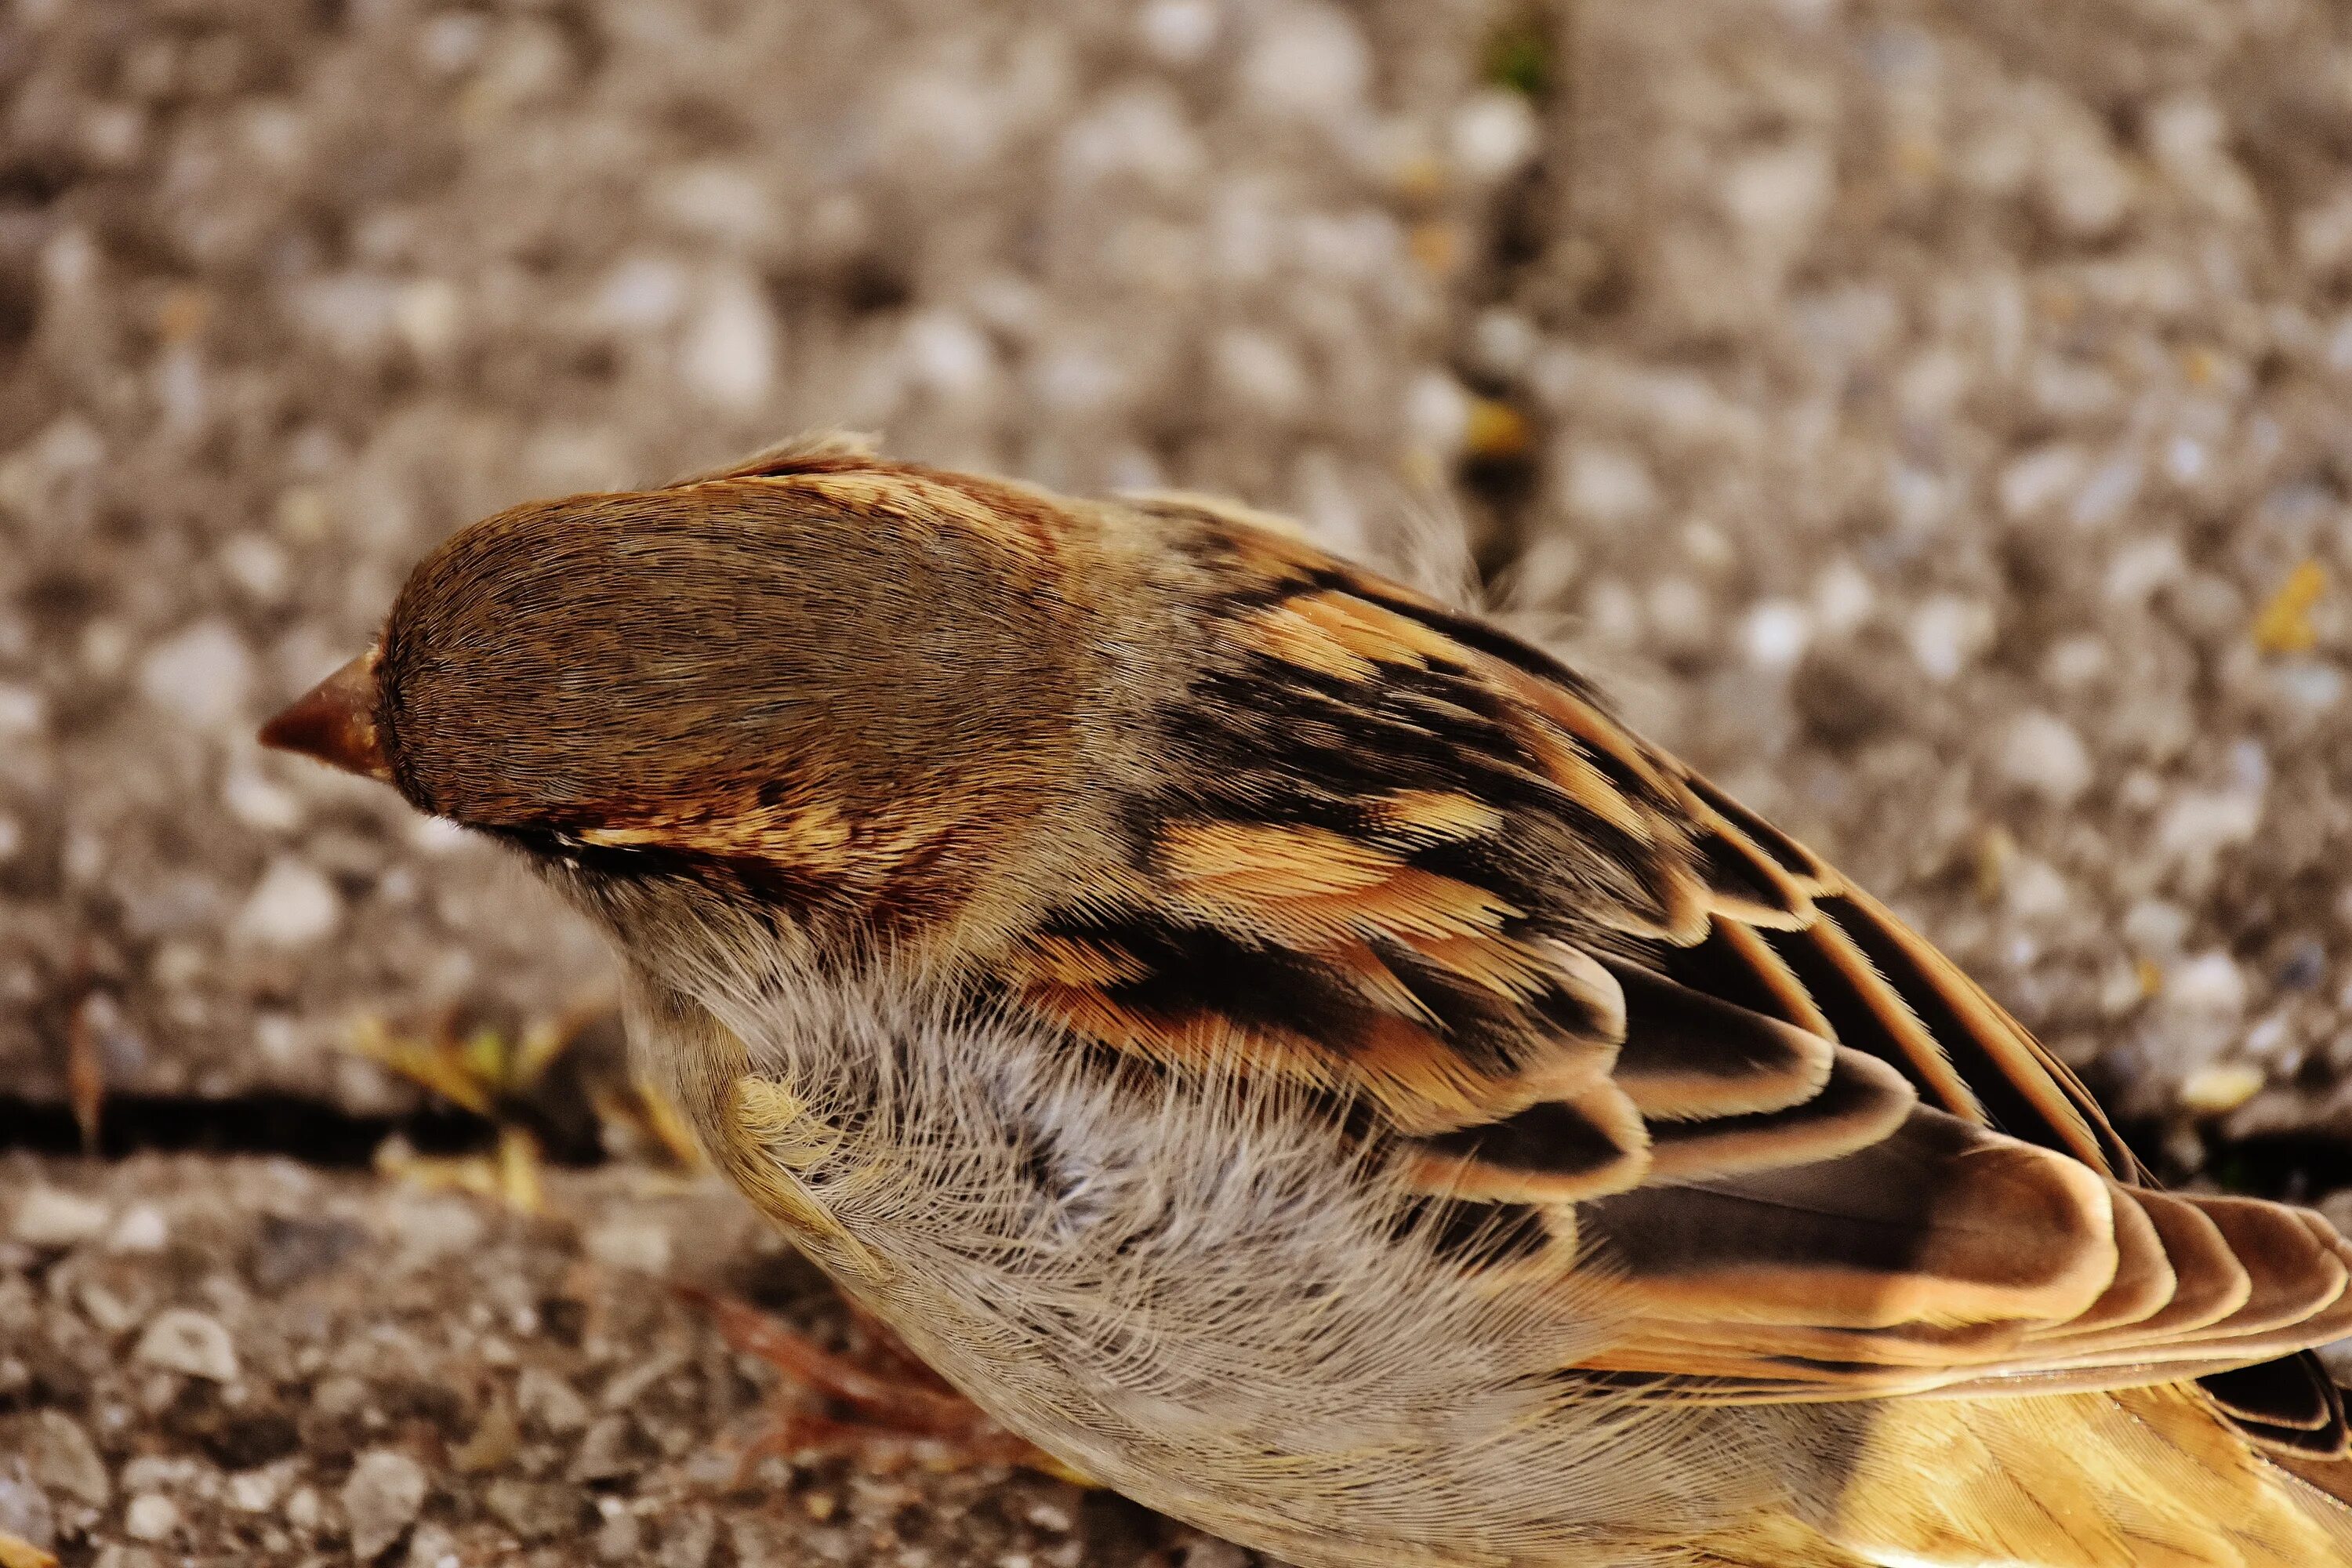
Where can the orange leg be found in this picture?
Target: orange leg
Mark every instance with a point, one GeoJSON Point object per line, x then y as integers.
{"type": "Point", "coordinates": [898, 1410]}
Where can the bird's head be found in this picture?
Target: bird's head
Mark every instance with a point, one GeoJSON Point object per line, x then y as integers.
{"type": "Point", "coordinates": [819, 683]}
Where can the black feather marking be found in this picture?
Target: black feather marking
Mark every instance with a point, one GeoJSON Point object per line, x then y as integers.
{"type": "Point", "coordinates": [1548, 1138]}
{"type": "Point", "coordinates": [1477, 1237]}
{"type": "Point", "coordinates": [1792, 857]}
{"type": "Point", "coordinates": [1731, 874]}
{"type": "Point", "coordinates": [1714, 968]}
{"type": "Point", "coordinates": [2010, 1107]}
{"type": "Point", "coordinates": [1851, 1016]}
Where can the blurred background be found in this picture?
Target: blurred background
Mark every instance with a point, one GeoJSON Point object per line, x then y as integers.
{"type": "Point", "coordinates": [1927, 417]}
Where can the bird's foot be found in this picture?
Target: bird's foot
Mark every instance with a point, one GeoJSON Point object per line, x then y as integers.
{"type": "Point", "coordinates": [886, 1411]}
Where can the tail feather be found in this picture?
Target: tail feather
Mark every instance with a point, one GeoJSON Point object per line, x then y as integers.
{"type": "Point", "coordinates": [2127, 1480]}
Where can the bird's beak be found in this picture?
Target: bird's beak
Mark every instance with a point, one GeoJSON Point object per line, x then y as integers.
{"type": "Point", "coordinates": [335, 723]}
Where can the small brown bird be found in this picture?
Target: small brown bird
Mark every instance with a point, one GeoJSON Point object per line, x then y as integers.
{"type": "Point", "coordinates": [1280, 1045]}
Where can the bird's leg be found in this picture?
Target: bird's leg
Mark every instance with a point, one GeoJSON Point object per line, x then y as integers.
{"type": "Point", "coordinates": [893, 1409]}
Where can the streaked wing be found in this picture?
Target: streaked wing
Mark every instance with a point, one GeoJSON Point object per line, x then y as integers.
{"type": "Point", "coordinates": [1623, 1025]}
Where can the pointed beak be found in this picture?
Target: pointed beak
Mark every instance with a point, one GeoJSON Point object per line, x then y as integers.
{"type": "Point", "coordinates": [335, 723]}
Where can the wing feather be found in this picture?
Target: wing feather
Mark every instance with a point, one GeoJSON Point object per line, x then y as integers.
{"type": "Point", "coordinates": [1613, 1022]}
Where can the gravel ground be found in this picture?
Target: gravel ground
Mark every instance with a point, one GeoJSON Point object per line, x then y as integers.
{"type": "Point", "coordinates": [1924, 416]}
{"type": "Point", "coordinates": [247, 1361]}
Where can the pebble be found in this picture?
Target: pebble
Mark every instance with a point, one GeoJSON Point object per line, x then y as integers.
{"type": "Point", "coordinates": [534, 1511]}
{"type": "Point", "coordinates": [259, 804]}
{"type": "Point", "coordinates": [1493, 135]}
{"type": "Point", "coordinates": [2220, 1088]}
{"type": "Point", "coordinates": [23, 711]}
{"type": "Point", "coordinates": [610, 1450]}
{"type": "Point", "coordinates": [637, 1242]}
{"type": "Point", "coordinates": [201, 675]}
{"type": "Point", "coordinates": [2043, 754]}
{"type": "Point", "coordinates": [1775, 635]}
{"type": "Point", "coordinates": [151, 1516]}
{"type": "Point", "coordinates": [1208, 1551]}
{"type": "Point", "coordinates": [431, 1227]}
{"type": "Point", "coordinates": [1608, 487]}
{"type": "Point", "coordinates": [434, 1547]}
{"type": "Point", "coordinates": [1309, 61]}
{"type": "Point", "coordinates": [548, 1403]}
{"type": "Point", "coordinates": [1946, 633]}
{"type": "Point", "coordinates": [288, 1251]}
{"type": "Point", "coordinates": [257, 1490]}
{"type": "Point", "coordinates": [64, 1460]}
{"type": "Point", "coordinates": [182, 1340]}
{"type": "Point", "coordinates": [1259, 371]}
{"type": "Point", "coordinates": [2199, 824]}
{"type": "Point", "coordinates": [1178, 32]}
{"type": "Point", "coordinates": [381, 1500]}
{"type": "Point", "coordinates": [1438, 414]}
{"type": "Point", "coordinates": [947, 356]}
{"type": "Point", "coordinates": [687, 1539]}
{"type": "Point", "coordinates": [728, 356]}
{"type": "Point", "coordinates": [2209, 982]}
{"type": "Point", "coordinates": [2156, 927]}
{"type": "Point", "coordinates": [293, 906]}
{"type": "Point", "coordinates": [141, 1229]}
{"type": "Point", "coordinates": [48, 1218]}
{"type": "Point", "coordinates": [621, 1538]}
{"type": "Point", "coordinates": [24, 1510]}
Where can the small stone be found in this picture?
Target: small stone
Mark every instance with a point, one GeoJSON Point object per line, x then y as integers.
{"type": "Point", "coordinates": [1258, 371]}
{"type": "Point", "coordinates": [1775, 634]}
{"type": "Point", "coordinates": [151, 1516]}
{"type": "Point", "coordinates": [381, 1500]}
{"type": "Point", "coordinates": [2210, 982]}
{"type": "Point", "coordinates": [2221, 1088]}
{"type": "Point", "coordinates": [293, 906]}
{"type": "Point", "coordinates": [621, 1539]}
{"type": "Point", "coordinates": [257, 564]}
{"type": "Point", "coordinates": [182, 1340]}
{"type": "Point", "coordinates": [610, 1450]}
{"type": "Point", "coordinates": [141, 1229]}
{"type": "Point", "coordinates": [23, 711]}
{"type": "Point", "coordinates": [2040, 479]}
{"type": "Point", "coordinates": [48, 1218]}
{"type": "Point", "coordinates": [1493, 134]}
{"type": "Point", "coordinates": [258, 804]}
{"type": "Point", "coordinates": [533, 1510]}
{"type": "Point", "coordinates": [1208, 1551]}
{"type": "Point", "coordinates": [1438, 414]}
{"type": "Point", "coordinates": [2156, 927]}
{"type": "Point", "coordinates": [2199, 825]}
{"type": "Point", "coordinates": [2042, 754]}
{"type": "Point", "coordinates": [434, 1547]}
{"type": "Point", "coordinates": [687, 1540]}
{"type": "Point", "coordinates": [1308, 62]}
{"type": "Point", "coordinates": [24, 1510]}
{"type": "Point", "coordinates": [641, 1245]}
{"type": "Point", "coordinates": [1946, 633]}
{"type": "Point", "coordinates": [947, 356]}
{"type": "Point", "coordinates": [1178, 32]}
{"type": "Point", "coordinates": [64, 1460]}
{"type": "Point", "coordinates": [288, 1250]}
{"type": "Point", "coordinates": [200, 676]}
{"type": "Point", "coordinates": [1608, 486]}
{"type": "Point", "coordinates": [257, 1490]}
{"type": "Point", "coordinates": [728, 357]}
{"type": "Point", "coordinates": [549, 1404]}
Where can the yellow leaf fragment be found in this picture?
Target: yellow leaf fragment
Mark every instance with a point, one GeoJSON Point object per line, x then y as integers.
{"type": "Point", "coordinates": [2285, 624]}
{"type": "Point", "coordinates": [17, 1553]}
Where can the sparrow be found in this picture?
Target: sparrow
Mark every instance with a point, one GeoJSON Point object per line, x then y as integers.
{"type": "Point", "coordinates": [1281, 1045]}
